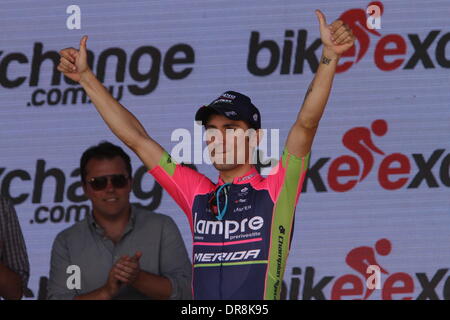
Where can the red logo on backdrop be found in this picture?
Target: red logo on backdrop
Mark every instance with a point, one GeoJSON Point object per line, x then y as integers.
{"type": "Point", "coordinates": [394, 172]}
{"type": "Point", "coordinates": [361, 258]}
{"type": "Point", "coordinates": [396, 285]}
{"type": "Point", "coordinates": [356, 20]}
{"type": "Point", "coordinates": [358, 140]}
{"type": "Point", "coordinates": [391, 49]}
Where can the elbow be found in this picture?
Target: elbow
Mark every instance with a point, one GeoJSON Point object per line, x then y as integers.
{"type": "Point", "coordinates": [15, 294]}
{"type": "Point", "coordinates": [308, 123]}
{"type": "Point", "coordinates": [130, 143]}
{"type": "Point", "coordinates": [18, 292]}
{"type": "Point", "coordinates": [18, 295]}
{"type": "Point", "coordinates": [167, 293]}
{"type": "Point", "coordinates": [133, 142]}
{"type": "Point", "coordinates": [136, 140]}
{"type": "Point", "coordinates": [16, 289]}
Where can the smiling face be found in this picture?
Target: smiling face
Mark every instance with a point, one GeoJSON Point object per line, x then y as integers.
{"type": "Point", "coordinates": [228, 142]}
{"type": "Point", "coordinates": [110, 202]}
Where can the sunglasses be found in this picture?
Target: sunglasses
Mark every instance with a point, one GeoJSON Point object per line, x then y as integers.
{"type": "Point", "coordinates": [118, 181]}
{"type": "Point", "coordinates": [218, 203]}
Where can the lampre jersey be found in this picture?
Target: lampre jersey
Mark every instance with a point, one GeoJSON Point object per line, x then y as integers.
{"type": "Point", "coordinates": [243, 255]}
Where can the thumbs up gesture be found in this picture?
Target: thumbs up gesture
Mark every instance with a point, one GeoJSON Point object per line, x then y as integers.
{"type": "Point", "coordinates": [337, 37]}
{"type": "Point", "coordinates": [73, 62]}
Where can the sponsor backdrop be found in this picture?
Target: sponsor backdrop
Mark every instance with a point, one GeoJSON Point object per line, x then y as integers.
{"type": "Point", "coordinates": [377, 192]}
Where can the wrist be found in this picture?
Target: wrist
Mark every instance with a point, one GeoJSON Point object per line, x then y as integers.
{"type": "Point", "coordinates": [329, 54]}
{"type": "Point", "coordinates": [85, 76]}
{"type": "Point", "coordinates": [106, 293]}
{"type": "Point", "coordinates": [136, 279]}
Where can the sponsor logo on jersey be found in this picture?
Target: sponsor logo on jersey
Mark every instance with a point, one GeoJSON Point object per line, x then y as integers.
{"type": "Point", "coordinates": [226, 256]}
{"type": "Point", "coordinates": [227, 227]}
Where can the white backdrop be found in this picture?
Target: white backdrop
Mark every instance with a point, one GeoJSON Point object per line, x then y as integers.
{"type": "Point", "coordinates": [43, 132]}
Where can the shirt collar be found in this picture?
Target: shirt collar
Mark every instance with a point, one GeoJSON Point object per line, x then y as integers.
{"type": "Point", "coordinates": [98, 228]}
{"type": "Point", "coordinates": [251, 175]}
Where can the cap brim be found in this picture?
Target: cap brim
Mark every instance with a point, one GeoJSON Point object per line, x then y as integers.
{"type": "Point", "coordinates": [204, 112]}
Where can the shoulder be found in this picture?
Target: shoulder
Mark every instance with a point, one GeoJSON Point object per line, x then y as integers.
{"type": "Point", "coordinates": [4, 202]}
{"type": "Point", "coordinates": [6, 207]}
{"type": "Point", "coordinates": [156, 226]}
{"type": "Point", "coordinates": [145, 216]}
{"type": "Point", "coordinates": [75, 232]}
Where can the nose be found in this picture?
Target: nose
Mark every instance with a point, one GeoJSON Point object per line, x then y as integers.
{"type": "Point", "coordinates": [109, 186]}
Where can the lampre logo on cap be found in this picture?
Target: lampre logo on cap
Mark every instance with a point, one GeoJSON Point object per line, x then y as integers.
{"type": "Point", "coordinates": [220, 100]}
{"type": "Point", "coordinates": [225, 98]}
{"type": "Point", "coordinates": [229, 96]}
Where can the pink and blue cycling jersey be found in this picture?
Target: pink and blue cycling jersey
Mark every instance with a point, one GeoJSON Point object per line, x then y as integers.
{"type": "Point", "coordinates": [243, 255]}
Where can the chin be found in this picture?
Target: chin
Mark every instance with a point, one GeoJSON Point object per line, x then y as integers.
{"type": "Point", "coordinates": [225, 167]}
{"type": "Point", "coordinates": [110, 212]}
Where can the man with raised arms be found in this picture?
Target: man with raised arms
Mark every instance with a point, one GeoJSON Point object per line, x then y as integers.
{"type": "Point", "coordinates": [241, 225]}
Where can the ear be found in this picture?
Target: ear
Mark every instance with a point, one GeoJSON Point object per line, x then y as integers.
{"type": "Point", "coordinates": [255, 137]}
{"type": "Point", "coordinates": [84, 185]}
{"type": "Point", "coordinates": [260, 133]}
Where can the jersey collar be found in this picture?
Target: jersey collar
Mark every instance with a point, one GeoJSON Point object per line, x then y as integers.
{"type": "Point", "coordinates": [251, 175]}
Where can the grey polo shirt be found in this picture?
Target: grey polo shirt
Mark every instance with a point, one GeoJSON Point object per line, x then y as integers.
{"type": "Point", "coordinates": [84, 245]}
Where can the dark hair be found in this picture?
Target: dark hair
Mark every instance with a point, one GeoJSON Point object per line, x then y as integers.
{"type": "Point", "coordinates": [104, 150]}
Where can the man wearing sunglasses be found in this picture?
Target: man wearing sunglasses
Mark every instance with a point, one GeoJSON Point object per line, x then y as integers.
{"type": "Point", "coordinates": [122, 252]}
{"type": "Point", "coordinates": [242, 225]}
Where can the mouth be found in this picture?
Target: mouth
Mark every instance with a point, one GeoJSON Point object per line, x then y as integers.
{"type": "Point", "coordinates": [111, 200]}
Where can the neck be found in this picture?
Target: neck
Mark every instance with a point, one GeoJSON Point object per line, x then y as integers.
{"type": "Point", "coordinates": [113, 226]}
{"type": "Point", "coordinates": [228, 175]}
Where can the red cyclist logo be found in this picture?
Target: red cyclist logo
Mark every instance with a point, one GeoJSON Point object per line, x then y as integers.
{"type": "Point", "coordinates": [359, 140]}
{"type": "Point", "coordinates": [397, 285]}
{"type": "Point", "coordinates": [306, 285]}
{"type": "Point", "coordinates": [391, 45]}
{"type": "Point", "coordinates": [393, 172]}
{"type": "Point", "coordinates": [296, 50]}
{"type": "Point", "coordinates": [361, 258]}
{"type": "Point", "coordinates": [356, 20]}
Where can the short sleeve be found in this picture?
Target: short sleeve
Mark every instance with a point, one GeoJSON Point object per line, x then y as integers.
{"type": "Point", "coordinates": [286, 178]}
{"type": "Point", "coordinates": [181, 182]}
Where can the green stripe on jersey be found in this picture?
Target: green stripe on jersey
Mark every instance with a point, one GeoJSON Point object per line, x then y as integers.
{"type": "Point", "coordinates": [167, 164]}
{"type": "Point", "coordinates": [281, 229]}
{"type": "Point", "coordinates": [200, 265]}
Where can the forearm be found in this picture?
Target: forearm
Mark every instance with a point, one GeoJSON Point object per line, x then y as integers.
{"type": "Point", "coordinates": [10, 284]}
{"type": "Point", "coordinates": [99, 294]}
{"type": "Point", "coordinates": [122, 122]}
{"type": "Point", "coordinates": [153, 286]}
{"type": "Point", "coordinates": [318, 92]}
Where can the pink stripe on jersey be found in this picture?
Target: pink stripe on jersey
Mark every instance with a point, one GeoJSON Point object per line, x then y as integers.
{"type": "Point", "coordinates": [230, 243]}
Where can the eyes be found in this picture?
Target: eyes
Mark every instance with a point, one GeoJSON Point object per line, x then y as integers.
{"type": "Point", "coordinates": [225, 127]}
{"type": "Point", "coordinates": [118, 181]}
{"type": "Point", "coordinates": [213, 134]}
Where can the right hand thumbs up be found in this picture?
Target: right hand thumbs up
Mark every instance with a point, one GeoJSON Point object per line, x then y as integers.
{"type": "Point", "coordinates": [73, 62]}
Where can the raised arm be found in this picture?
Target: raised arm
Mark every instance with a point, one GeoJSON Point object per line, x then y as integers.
{"type": "Point", "coordinates": [336, 39]}
{"type": "Point", "coordinates": [123, 124]}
